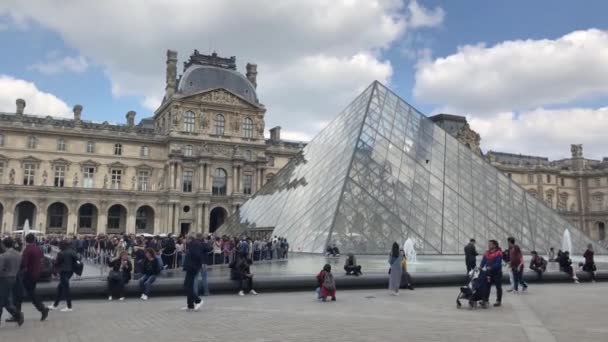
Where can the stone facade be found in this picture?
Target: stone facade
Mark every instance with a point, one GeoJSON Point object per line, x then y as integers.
{"type": "Point", "coordinates": [187, 168]}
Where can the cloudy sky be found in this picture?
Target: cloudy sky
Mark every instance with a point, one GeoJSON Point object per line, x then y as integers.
{"type": "Point", "coordinates": [531, 76]}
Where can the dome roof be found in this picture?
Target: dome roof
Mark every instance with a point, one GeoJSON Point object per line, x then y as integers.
{"type": "Point", "coordinates": [203, 77]}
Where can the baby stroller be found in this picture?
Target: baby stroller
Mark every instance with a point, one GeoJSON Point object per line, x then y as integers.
{"type": "Point", "coordinates": [477, 289]}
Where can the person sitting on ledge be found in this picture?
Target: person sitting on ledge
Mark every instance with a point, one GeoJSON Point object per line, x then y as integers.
{"type": "Point", "coordinates": [406, 279]}
{"type": "Point", "coordinates": [332, 250]}
{"type": "Point", "coordinates": [551, 255]}
{"type": "Point", "coordinates": [565, 265]}
{"type": "Point", "coordinates": [351, 267]}
{"type": "Point", "coordinates": [538, 264]}
{"type": "Point", "coordinates": [589, 265]}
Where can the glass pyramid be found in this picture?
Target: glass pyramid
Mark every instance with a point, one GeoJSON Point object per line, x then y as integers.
{"type": "Point", "coordinates": [382, 172]}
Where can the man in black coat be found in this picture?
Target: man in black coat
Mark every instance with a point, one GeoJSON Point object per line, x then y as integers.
{"type": "Point", "coordinates": [470, 255]}
{"type": "Point", "coordinates": [192, 265]}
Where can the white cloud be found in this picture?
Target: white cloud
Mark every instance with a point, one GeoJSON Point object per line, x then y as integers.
{"type": "Point", "coordinates": [37, 101]}
{"type": "Point", "coordinates": [545, 132]}
{"type": "Point", "coordinates": [311, 55]}
{"type": "Point", "coordinates": [77, 64]}
{"type": "Point", "coordinates": [518, 74]}
{"type": "Point", "coordinates": [424, 17]}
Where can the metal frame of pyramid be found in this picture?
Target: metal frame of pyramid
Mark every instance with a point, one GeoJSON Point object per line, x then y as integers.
{"type": "Point", "coordinates": [381, 172]}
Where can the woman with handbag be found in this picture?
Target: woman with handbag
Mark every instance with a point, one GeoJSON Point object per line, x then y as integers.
{"type": "Point", "coordinates": [119, 276]}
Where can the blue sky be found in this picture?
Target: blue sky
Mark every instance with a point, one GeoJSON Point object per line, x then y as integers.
{"type": "Point", "coordinates": [313, 58]}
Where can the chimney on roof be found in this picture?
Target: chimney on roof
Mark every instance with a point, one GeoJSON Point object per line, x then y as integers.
{"type": "Point", "coordinates": [171, 83]}
{"type": "Point", "coordinates": [130, 118]}
{"type": "Point", "coordinates": [275, 134]}
{"type": "Point", "coordinates": [20, 106]}
{"type": "Point", "coordinates": [77, 110]}
{"type": "Point", "coordinates": [252, 74]}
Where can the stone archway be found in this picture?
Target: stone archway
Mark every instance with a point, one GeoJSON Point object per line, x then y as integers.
{"type": "Point", "coordinates": [117, 219]}
{"type": "Point", "coordinates": [601, 230]}
{"type": "Point", "coordinates": [24, 211]}
{"type": "Point", "coordinates": [144, 219]}
{"type": "Point", "coordinates": [57, 218]}
{"type": "Point", "coordinates": [217, 216]}
{"type": "Point", "coordinates": [87, 219]}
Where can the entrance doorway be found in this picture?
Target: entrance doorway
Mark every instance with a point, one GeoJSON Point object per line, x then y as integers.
{"type": "Point", "coordinates": [25, 211]}
{"type": "Point", "coordinates": [217, 218]}
{"type": "Point", "coordinates": [184, 229]}
{"type": "Point", "coordinates": [601, 231]}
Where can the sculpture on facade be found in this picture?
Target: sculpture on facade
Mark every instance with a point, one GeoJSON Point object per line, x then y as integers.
{"type": "Point", "coordinates": [44, 178]}
{"type": "Point", "coordinates": [75, 181]}
{"type": "Point", "coordinates": [204, 121]}
{"type": "Point", "coordinates": [11, 176]}
{"type": "Point", "coordinates": [105, 181]}
{"type": "Point", "coordinates": [133, 182]}
{"type": "Point", "coordinates": [577, 150]}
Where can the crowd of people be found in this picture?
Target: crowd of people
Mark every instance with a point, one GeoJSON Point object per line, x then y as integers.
{"type": "Point", "coordinates": [490, 271]}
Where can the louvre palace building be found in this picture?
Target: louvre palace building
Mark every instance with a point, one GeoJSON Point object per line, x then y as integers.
{"type": "Point", "coordinates": [202, 155]}
{"type": "Point", "coordinates": [185, 169]}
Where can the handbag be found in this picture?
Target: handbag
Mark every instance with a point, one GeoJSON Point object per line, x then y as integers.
{"type": "Point", "coordinates": [115, 275]}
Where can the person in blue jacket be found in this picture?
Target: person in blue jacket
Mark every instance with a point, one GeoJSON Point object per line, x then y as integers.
{"type": "Point", "coordinates": [492, 264]}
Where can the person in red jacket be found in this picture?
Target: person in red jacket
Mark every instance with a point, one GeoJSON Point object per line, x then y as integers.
{"type": "Point", "coordinates": [327, 285]}
{"type": "Point", "coordinates": [31, 262]}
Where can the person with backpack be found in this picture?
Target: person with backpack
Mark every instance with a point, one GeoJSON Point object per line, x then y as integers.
{"type": "Point", "coordinates": [150, 269]}
{"type": "Point", "coordinates": [327, 284]}
{"type": "Point", "coordinates": [66, 263]}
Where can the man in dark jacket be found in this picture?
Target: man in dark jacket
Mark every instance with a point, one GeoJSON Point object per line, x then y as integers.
{"type": "Point", "coordinates": [10, 262]}
{"type": "Point", "coordinates": [470, 255]}
{"type": "Point", "coordinates": [31, 263]}
{"type": "Point", "coordinates": [192, 265]}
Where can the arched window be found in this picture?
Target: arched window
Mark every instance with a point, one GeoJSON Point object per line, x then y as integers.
{"type": "Point", "coordinates": [189, 121]}
{"type": "Point", "coordinates": [220, 123]}
{"type": "Point", "coordinates": [219, 182]}
{"type": "Point", "coordinates": [188, 151]}
{"type": "Point", "coordinates": [248, 128]}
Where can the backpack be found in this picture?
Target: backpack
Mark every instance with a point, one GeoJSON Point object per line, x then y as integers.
{"type": "Point", "coordinates": [328, 282]}
{"type": "Point", "coordinates": [77, 266]}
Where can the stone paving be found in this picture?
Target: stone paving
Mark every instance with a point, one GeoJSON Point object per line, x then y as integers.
{"type": "Point", "coordinates": [556, 312]}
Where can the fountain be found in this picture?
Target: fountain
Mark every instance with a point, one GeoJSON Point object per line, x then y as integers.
{"type": "Point", "coordinates": [567, 242]}
{"type": "Point", "coordinates": [410, 250]}
{"type": "Point", "coordinates": [26, 227]}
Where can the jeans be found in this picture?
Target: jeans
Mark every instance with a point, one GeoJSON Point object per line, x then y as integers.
{"type": "Point", "coordinates": [189, 287]}
{"type": "Point", "coordinates": [518, 279]}
{"type": "Point", "coordinates": [470, 266]}
{"type": "Point", "coordinates": [29, 285]}
{"type": "Point", "coordinates": [6, 287]}
{"type": "Point", "coordinates": [116, 287]}
{"type": "Point", "coordinates": [202, 287]}
{"type": "Point", "coordinates": [145, 283]}
{"type": "Point", "coordinates": [246, 283]}
{"type": "Point", "coordinates": [63, 289]}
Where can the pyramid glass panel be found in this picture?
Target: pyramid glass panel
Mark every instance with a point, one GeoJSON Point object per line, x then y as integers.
{"type": "Point", "coordinates": [383, 172]}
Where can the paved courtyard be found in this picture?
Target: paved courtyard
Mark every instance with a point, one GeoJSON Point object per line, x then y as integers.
{"type": "Point", "coordinates": [558, 312]}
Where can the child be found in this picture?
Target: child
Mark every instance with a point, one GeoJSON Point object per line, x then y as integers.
{"type": "Point", "coordinates": [327, 285]}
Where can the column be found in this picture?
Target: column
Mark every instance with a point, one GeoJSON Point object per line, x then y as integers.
{"type": "Point", "coordinates": [201, 177]}
{"type": "Point", "coordinates": [157, 223]}
{"type": "Point", "coordinates": [198, 218]}
{"type": "Point", "coordinates": [229, 181]}
{"type": "Point", "coordinates": [102, 218]}
{"type": "Point", "coordinates": [171, 176]}
{"type": "Point", "coordinates": [40, 217]}
{"type": "Point", "coordinates": [235, 179]}
{"type": "Point", "coordinates": [262, 177]}
{"type": "Point", "coordinates": [205, 218]}
{"type": "Point", "coordinates": [72, 221]}
{"type": "Point", "coordinates": [178, 185]}
{"type": "Point", "coordinates": [208, 179]}
{"type": "Point", "coordinates": [130, 228]}
{"type": "Point", "coordinates": [176, 211]}
{"type": "Point", "coordinates": [241, 179]}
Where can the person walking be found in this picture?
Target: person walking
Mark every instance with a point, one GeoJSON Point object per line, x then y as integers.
{"type": "Point", "coordinates": [150, 269]}
{"type": "Point", "coordinates": [516, 264]}
{"type": "Point", "coordinates": [470, 255]}
{"type": "Point", "coordinates": [119, 276]}
{"type": "Point", "coordinates": [31, 263]}
{"type": "Point", "coordinates": [192, 265]}
{"type": "Point", "coordinates": [491, 262]}
{"type": "Point", "coordinates": [64, 264]}
{"type": "Point", "coordinates": [10, 262]}
{"type": "Point", "coordinates": [589, 265]}
{"type": "Point", "coordinates": [395, 271]}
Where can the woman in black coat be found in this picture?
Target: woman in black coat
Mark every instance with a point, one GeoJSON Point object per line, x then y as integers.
{"type": "Point", "coordinates": [119, 276]}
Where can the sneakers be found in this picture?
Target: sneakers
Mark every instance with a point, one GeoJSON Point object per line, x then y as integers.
{"type": "Point", "coordinates": [66, 310]}
{"type": "Point", "coordinates": [510, 290]}
{"type": "Point", "coordinates": [185, 308]}
{"type": "Point", "coordinates": [44, 315]}
{"type": "Point", "coordinates": [241, 293]}
{"type": "Point", "coordinates": [110, 298]}
{"type": "Point", "coordinates": [51, 307]}
{"type": "Point", "coordinates": [576, 281]}
{"type": "Point", "coordinates": [122, 299]}
{"type": "Point", "coordinates": [144, 297]}
{"type": "Point", "coordinates": [253, 292]}
{"type": "Point", "coordinates": [497, 304]}
{"type": "Point", "coordinates": [197, 306]}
